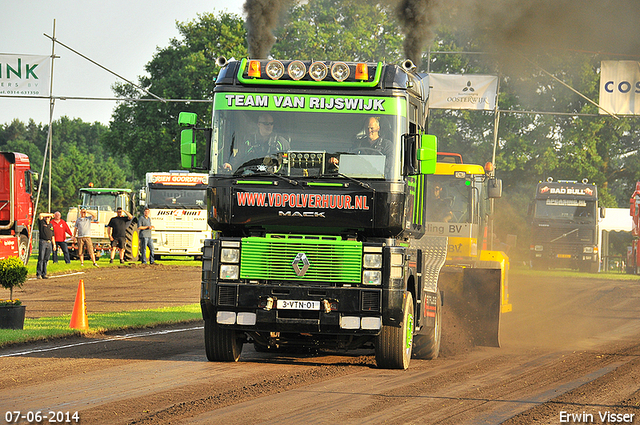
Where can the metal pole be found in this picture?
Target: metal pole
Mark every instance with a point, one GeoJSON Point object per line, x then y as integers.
{"type": "Point", "coordinates": [52, 103]}
{"type": "Point", "coordinates": [496, 124]}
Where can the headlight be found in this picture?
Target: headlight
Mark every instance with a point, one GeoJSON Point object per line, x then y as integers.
{"type": "Point", "coordinates": [397, 260]}
{"type": "Point", "coordinates": [538, 248]}
{"type": "Point", "coordinates": [229, 255]}
{"type": "Point", "coordinates": [372, 261]}
{"type": "Point", "coordinates": [340, 71]}
{"type": "Point", "coordinates": [587, 250]}
{"type": "Point", "coordinates": [396, 272]}
{"type": "Point", "coordinates": [296, 70]}
{"type": "Point", "coordinates": [318, 71]}
{"type": "Point", "coordinates": [372, 277]}
{"type": "Point", "coordinates": [228, 271]}
{"type": "Point", "coordinates": [275, 69]}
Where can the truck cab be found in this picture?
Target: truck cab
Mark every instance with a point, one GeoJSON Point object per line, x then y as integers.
{"type": "Point", "coordinates": [318, 224]}
{"type": "Point", "coordinates": [565, 228]}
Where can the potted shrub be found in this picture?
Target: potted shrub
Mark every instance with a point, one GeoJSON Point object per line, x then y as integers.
{"type": "Point", "coordinates": [13, 274]}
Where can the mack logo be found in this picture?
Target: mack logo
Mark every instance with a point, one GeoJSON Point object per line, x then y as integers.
{"type": "Point", "coordinates": [300, 260]}
{"type": "Point", "coordinates": [308, 214]}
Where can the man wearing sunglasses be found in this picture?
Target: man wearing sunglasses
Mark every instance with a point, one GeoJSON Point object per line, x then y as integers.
{"type": "Point", "coordinates": [260, 145]}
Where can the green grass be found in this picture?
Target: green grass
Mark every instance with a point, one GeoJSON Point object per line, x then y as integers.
{"type": "Point", "coordinates": [103, 261]}
{"type": "Point", "coordinates": [526, 271]}
{"type": "Point", "coordinates": [56, 327]}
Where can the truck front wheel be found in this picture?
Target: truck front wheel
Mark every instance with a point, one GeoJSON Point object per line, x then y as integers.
{"type": "Point", "coordinates": [393, 345]}
{"type": "Point", "coordinates": [427, 346]}
{"type": "Point", "coordinates": [132, 245]}
{"type": "Point", "coordinates": [221, 345]}
{"type": "Point", "coordinates": [23, 249]}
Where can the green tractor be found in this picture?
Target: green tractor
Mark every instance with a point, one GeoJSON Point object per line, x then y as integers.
{"type": "Point", "coordinates": [101, 203]}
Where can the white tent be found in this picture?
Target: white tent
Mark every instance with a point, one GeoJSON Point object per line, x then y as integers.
{"type": "Point", "coordinates": [615, 220]}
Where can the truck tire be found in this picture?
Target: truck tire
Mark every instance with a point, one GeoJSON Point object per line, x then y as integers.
{"type": "Point", "coordinates": [427, 346]}
{"type": "Point", "coordinates": [221, 345]}
{"type": "Point", "coordinates": [23, 249]}
{"type": "Point", "coordinates": [393, 345]}
{"type": "Point", "coordinates": [132, 245]}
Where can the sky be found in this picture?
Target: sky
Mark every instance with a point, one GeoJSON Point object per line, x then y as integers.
{"type": "Point", "coordinates": [120, 35]}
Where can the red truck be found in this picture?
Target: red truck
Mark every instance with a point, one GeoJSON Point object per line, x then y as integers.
{"type": "Point", "coordinates": [16, 205]}
{"type": "Point", "coordinates": [633, 252]}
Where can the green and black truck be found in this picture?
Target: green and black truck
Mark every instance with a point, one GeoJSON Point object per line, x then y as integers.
{"type": "Point", "coordinates": [319, 225]}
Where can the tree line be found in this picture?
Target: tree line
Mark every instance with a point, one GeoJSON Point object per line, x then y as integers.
{"type": "Point", "coordinates": [545, 129]}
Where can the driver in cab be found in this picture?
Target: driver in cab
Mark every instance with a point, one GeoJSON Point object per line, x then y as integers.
{"type": "Point", "coordinates": [370, 141]}
{"type": "Point", "coordinates": [372, 138]}
{"type": "Point", "coordinates": [260, 144]}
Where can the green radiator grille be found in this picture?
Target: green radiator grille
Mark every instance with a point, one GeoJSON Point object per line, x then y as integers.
{"type": "Point", "coordinates": [330, 258]}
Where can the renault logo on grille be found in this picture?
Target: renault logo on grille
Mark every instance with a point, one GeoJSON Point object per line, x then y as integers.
{"type": "Point", "coordinates": [300, 264]}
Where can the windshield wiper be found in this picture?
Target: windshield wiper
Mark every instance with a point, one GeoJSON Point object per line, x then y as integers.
{"type": "Point", "coordinates": [359, 182]}
{"type": "Point", "coordinates": [565, 235]}
{"type": "Point", "coordinates": [267, 173]}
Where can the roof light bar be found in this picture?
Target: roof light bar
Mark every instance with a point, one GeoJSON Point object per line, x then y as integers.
{"type": "Point", "coordinates": [362, 71]}
{"type": "Point", "coordinates": [274, 69]}
{"type": "Point", "coordinates": [254, 69]}
{"type": "Point", "coordinates": [296, 70]}
{"type": "Point", "coordinates": [340, 71]}
{"type": "Point", "coordinates": [318, 71]}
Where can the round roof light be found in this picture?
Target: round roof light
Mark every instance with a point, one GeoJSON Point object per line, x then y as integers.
{"type": "Point", "coordinates": [275, 69]}
{"type": "Point", "coordinates": [318, 71]}
{"type": "Point", "coordinates": [296, 70]}
{"type": "Point", "coordinates": [340, 71]}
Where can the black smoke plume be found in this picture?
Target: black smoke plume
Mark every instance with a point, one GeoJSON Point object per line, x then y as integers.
{"type": "Point", "coordinates": [262, 17]}
{"type": "Point", "coordinates": [419, 19]}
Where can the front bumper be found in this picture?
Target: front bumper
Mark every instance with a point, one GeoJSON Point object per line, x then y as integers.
{"type": "Point", "coordinates": [352, 310]}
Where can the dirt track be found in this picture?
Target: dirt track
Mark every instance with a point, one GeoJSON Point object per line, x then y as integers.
{"type": "Point", "coordinates": [569, 346]}
{"type": "Point", "coordinates": [109, 289]}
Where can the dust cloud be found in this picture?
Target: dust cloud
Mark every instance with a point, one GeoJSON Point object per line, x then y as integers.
{"type": "Point", "coordinates": [512, 28]}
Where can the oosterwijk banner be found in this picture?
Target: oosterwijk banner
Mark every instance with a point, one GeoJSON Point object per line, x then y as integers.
{"type": "Point", "coordinates": [452, 91]}
{"type": "Point", "coordinates": [620, 87]}
{"type": "Point", "coordinates": [24, 75]}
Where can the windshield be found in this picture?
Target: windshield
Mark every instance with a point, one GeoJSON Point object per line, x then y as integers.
{"type": "Point", "coordinates": [448, 200]}
{"type": "Point", "coordinates": [106, 202]}
{"type": "Point", "coordinates": [176, 197]}
{"type": "Point", "coordinates": [566, 209]}
{"type": "Point", "coordinates": [302, 144]}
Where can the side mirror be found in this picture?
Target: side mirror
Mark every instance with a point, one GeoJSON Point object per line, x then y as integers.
{"type": "Point", "coordinates": [187, 139]}
{"type": "Point", "coordinates": [602, 212]}
{"type": "Point", "coordinates": [187, 148]}
{"type": "Point", "coordinates": [143, 196]}
{"type": "Point", "coordinates": [494, 188]}
{"type": "Point", "coordinates": [428, 154]}
{"type": "Point", "coordinates": [187, 119]}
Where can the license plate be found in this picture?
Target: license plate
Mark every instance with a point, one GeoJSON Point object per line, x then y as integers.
{"type": "Point", "coordinates": [297, 305]}
{"type": "Point", "coordinates": [564, 255]}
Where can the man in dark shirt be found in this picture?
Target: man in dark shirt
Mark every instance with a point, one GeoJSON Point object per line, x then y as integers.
{"type": "Point", "coordinates": [117, 231]}
{"type": "Point", "coordinates": [45, 247]}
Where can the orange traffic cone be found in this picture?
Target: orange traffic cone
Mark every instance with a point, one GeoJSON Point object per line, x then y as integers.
{"type": "Point", "coordinates": [79, 318]}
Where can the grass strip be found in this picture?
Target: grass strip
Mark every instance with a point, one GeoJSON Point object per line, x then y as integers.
{"type": "Point", "coordinates": [56, 327]}
{"type": "Point", "coordinates": [573, 274]}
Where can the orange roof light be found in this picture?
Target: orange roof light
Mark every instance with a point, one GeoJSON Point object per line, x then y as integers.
{"type": "Point", "coordinates": [488, 167]}
{"type": "Point", "coordinates": [362, 71]}
{"type": "Point", "coordinates": [254, 69]}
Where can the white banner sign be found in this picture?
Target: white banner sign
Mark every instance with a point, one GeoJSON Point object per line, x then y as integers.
{"type": "Point", "coordinates": [24, 75]}
{"type": "Point", "coordinates": [451, 91]}
{"type": "Point", "coordinates": [620, 87]}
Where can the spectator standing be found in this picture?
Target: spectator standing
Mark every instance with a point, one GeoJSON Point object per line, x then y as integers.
{"type": "Point", "coordinates": [145, 226]}
{"type": "Point", "coordinates": [117, 231]}
{"type": "Point", "coordinates": [82, 232]}
{"type": "Point", "coordinates": [60, 230]}
{"type": "Point", "coordinates": [47, 242]}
